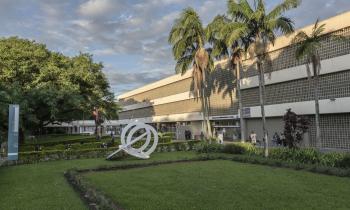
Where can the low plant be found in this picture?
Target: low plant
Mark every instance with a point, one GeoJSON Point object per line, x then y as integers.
{"type": "Point", "coordinates": [206, 147]}
{"type": "Point", "coordinates": [344, 162]}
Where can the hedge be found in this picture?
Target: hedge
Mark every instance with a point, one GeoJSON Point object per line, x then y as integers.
{"type": "Point", "coordinates": [82, 143]}
{"type": "Point", "coordinates": [301, 155]}
{"type": "Point", "coordinates": [75, 146]}
{"type": "Point", "coordinates": [69, 141]}
{"type": "Point", "coordinates": [48, 155]}
{"type": "Point", "coordinates": [328, 170]}
{"type": "Point", "coordinates": [40, 156]}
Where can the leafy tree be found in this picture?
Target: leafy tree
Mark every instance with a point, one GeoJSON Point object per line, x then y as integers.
{"type": "Point", "coordinates": [259, 29]}
{"type": "Point", "coordinates": [308, 47]}
{"type": "Point", "coordinates": [48, 86]}
{"type": "Point", "coordinates": [294, 128]}
{"type": "Point", "coordinates": [188, 40]}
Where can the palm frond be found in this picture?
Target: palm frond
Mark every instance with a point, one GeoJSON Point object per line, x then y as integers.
{"type": "Point", "coordinates": [234, 32]}
{"type": "Point", "coordinates": [259, 14]}
{"type": "Point", "coordinates": [183, 64]}
{"type": "Point", "coordinates": [283, 7]}
{"type": "Point", "coordinates": [240, 10]}
{"type": "Point", "coordinates": [282, 24]}
{"type": "Point", "coordinates": [300, 37]}
{"type": "Point", "coordinates": [318, 30]}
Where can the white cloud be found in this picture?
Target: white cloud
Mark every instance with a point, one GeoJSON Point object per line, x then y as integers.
{"type": "Point", "coordinates": [98, 8]}
{"type": "Point", "coordinates": [106, 51]}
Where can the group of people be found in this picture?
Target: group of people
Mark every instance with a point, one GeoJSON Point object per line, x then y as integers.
{"type": "Point", "coordinates": [277, 139]}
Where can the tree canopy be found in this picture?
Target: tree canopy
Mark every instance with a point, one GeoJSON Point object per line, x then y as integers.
{"type": "Point", "coordinates": [49, 86]}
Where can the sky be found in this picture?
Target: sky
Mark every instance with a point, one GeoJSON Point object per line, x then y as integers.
{"type": "Point", "coordinates": [128, 36]}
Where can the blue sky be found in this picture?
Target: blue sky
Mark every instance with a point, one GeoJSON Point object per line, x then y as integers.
{"type": "Point", "coordinates": [128, 36]}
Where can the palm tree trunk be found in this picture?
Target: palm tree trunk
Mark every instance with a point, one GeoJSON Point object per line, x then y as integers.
{"type": "Point", "coordinates": [205, 112]}
{"type": "Point", "coordinates": [262, 106]}
{"type": "Point", "coordinates": [207, 117]}
{"type": "Point", "coordinates": [204, 125]}
{"type": "Point", "coordinates": [317, 113]}
{"type": "Point", "coordinates": [238, 89]}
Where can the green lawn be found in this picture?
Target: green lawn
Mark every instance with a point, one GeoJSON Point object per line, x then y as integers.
{"type": "Point", "coordinates": [42, 186]}
{"type": "Point", "coordinates": [221, 184]}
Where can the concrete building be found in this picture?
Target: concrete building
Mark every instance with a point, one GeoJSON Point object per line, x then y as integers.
{"type": "Point", "coordinates": [169, 103]}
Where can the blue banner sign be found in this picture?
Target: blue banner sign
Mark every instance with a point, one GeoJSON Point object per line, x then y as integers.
{"type": "Point", "coordinates": [13, 132]}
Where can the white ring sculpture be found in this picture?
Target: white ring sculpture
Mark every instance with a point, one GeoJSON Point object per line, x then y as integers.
{"type": "Point", "coordinates": [126, 145]}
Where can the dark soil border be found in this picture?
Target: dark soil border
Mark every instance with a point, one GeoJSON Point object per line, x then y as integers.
{"type": "Point", "coordinates": [94, 198]}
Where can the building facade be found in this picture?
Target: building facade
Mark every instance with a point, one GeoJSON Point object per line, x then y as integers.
{"type": "Point", "coordinates": [169, 103]}
{"type": "Point", "coordinates": [84, 127]}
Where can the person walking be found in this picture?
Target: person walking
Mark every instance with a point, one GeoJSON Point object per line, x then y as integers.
{"type": "Point", "coordinates": [276, 139]}
{"type": "Point", "coordinates": [221, 136]}
{"type": "Point", "coordinates": [253, 137]}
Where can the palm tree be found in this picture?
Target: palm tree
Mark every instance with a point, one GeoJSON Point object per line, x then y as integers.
{"type": "Point", "coordinates": [217, 35]}
{"type": "Point", "coordinates": [188, 40]}
{"type": "Point", "coordinates": [308, 48]}
{"type": "Point", "coordinates": [258, 29]}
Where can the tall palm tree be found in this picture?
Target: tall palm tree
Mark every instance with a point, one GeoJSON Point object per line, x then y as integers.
{"type": "Point", "coordinates": [217, 35]}
{"type": "Point", "coordinates": [259, 28]}
{"type": "Point", "coordinates": [308, 47]}
{"type": "Point", "coordinates": [188, 40]}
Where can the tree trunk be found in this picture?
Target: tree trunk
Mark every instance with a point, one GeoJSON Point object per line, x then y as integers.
{"type": "Point", "coordinates": [97, 131]}
{"type": "Point", "coordinates": [317, 114]}
{"type": "Point", "coordinates": [238, 89]}
{"type": "Point", "coordinates": [21, 137]}
{"type": "Point", "coordinates": [262, 106]}
{"type": "Point", "coordinates": [206, 122]}
{"type": "Point", "coordinates": [204, 125]}
{"type": "Point", "coordinates": [210, 135]}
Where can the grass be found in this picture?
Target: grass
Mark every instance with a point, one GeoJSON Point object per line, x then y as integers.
{"type": "Point", "coordinates": [221, 184]}
{"type": "Point", "coordinates": [42, 186]}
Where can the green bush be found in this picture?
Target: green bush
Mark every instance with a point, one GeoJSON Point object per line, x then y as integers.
{"type": "Point", "coordinates": [343, 172]}
{"type": "Point", "coordinates": [206, 147]}
{"type": "Point", "coordinates": [167, 134]}
{"type": "Point", "coordinates": [306, 156]}
{"type": "Point", "coordinates": [165, 139]}
{"type": "Point", "coordinates": [331, 159]}
{"type": "Point", "coordinates": [36, 156]}
{"type": "Point", "coordinates": [344, 162]}
{"type": "Point", "coordinates": [233, 149]}
{"type": "Point", "coordinates": [75, 146]}
{"type": "Point", "coordinates": [78, 139]}
{"type": "Point", "coordinates": [292, 156]}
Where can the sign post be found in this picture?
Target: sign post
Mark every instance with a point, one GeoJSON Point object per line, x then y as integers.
{"type": "Point", "coordinates": [12, 152]}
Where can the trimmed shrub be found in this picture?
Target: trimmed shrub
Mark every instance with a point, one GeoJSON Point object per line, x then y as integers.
{"type": "Point", "coordinates": [82, 139]}
{"type": "Point", "coordinates": [344, 162]}
{"type": "Point", "coordinates": [234, 149]}
{"type": "Point", "coordinates": [291, 156]}
{"type": "Point", "coordinates": [331, 159]}
{"type": "Point", "coordinates": [306, 156]}
{"type": "Point", "coordinates": [206, 147]}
